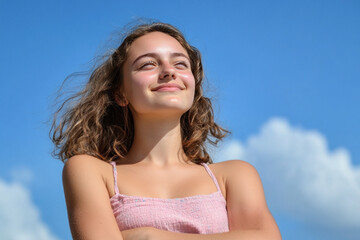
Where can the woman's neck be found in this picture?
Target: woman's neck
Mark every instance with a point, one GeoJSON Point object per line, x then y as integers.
{"type": "Point", "coordinates": [157, 141]}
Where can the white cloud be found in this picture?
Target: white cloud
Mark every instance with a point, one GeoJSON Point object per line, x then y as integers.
{"type": "Point", "coordinates": [22, 175]}
{"type": "Point", "coordinates": [19, 218]}
{"type": "Point", "coordinates": [301, 176]}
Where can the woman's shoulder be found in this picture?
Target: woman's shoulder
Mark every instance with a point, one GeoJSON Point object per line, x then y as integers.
{"type": "Point", "coordinates": [230, 167]}
{"type": "Point", "coordinates": [83, 171]}
{"type": "Point", "coordinates": [232, 172]}
{"type": "Point", "coordinates": [84, 161]}
{"type": "Point", "coordinates": [85, 165]}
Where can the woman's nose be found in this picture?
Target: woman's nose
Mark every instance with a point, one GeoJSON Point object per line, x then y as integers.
{"type": "Point", "coordinates": [167, 72]}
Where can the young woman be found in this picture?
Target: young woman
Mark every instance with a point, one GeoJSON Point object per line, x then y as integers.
{"type": "Point", "coordinates": [136, 165]}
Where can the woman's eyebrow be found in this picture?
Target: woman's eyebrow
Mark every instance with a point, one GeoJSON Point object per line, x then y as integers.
{"type": "Point", "coordinates": [154, 55]}
{"type": "Point", "coordinates": [179, 54]}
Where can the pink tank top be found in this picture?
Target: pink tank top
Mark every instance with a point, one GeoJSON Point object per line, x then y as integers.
{"type": "Point", "coordinates": [201, 214]}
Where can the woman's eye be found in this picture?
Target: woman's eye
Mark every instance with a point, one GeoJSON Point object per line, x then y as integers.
{"type": "Point", "coordinates": [147, 65]}
{"type": "Point", "coordinates": [182, 64]}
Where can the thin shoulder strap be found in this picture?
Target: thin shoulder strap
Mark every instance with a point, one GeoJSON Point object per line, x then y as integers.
{"type": "Point", "coordinates": [115, 177]}
{"type": "Point", "coordinates": [211, 175]}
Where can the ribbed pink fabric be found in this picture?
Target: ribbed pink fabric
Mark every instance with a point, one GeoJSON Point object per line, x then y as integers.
{"type": "Point", "coordinates": [202, 214]}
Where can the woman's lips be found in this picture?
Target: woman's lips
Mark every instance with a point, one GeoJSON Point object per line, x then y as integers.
{"type": "Point", "coordinates": [171, 87]}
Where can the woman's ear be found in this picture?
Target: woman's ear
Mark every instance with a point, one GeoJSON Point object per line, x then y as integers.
{"type": "Point", "coordinates": [121, 100]}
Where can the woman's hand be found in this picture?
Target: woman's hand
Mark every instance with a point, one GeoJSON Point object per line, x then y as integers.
{"type": "Point", "coordinates": [142, 233]}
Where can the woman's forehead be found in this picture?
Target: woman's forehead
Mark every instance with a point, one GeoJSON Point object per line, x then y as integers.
{"type": "Point", "coordinates": [155, 42]}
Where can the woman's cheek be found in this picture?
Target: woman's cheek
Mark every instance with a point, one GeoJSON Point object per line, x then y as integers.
{"type": "Point", "coordinates": [189, 80]}
{"type": "Point", "coordinates": [145, 79]}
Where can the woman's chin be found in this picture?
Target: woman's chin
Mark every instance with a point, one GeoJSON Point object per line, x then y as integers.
{"type": "Point", "coordinates": [163, 110]}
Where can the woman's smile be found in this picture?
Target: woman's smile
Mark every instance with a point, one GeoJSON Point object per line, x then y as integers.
{"type": "Point", "coordinates": [168, 87]}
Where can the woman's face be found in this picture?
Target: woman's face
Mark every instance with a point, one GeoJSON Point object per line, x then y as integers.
{"type": "Point", "coordinates": [157, 76]}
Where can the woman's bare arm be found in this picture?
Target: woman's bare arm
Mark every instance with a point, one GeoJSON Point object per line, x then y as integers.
{"type": "Point", "coordinates": [87, 200]}
{"type": "Point", "coordinates": [247, 209]}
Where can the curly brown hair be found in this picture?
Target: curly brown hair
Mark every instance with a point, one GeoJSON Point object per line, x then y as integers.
{"type": "Point", "coordinates": [96, 125]}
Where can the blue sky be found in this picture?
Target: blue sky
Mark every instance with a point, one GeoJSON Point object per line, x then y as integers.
{"type": "Point", "coordinates": [283, 75]}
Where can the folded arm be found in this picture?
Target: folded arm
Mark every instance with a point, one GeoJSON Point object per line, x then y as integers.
{"type": "Point", "coordinates": [248, 214]}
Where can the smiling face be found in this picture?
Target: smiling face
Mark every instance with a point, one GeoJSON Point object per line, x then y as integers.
{"type": "Point", "coordinates": [157, 76]}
